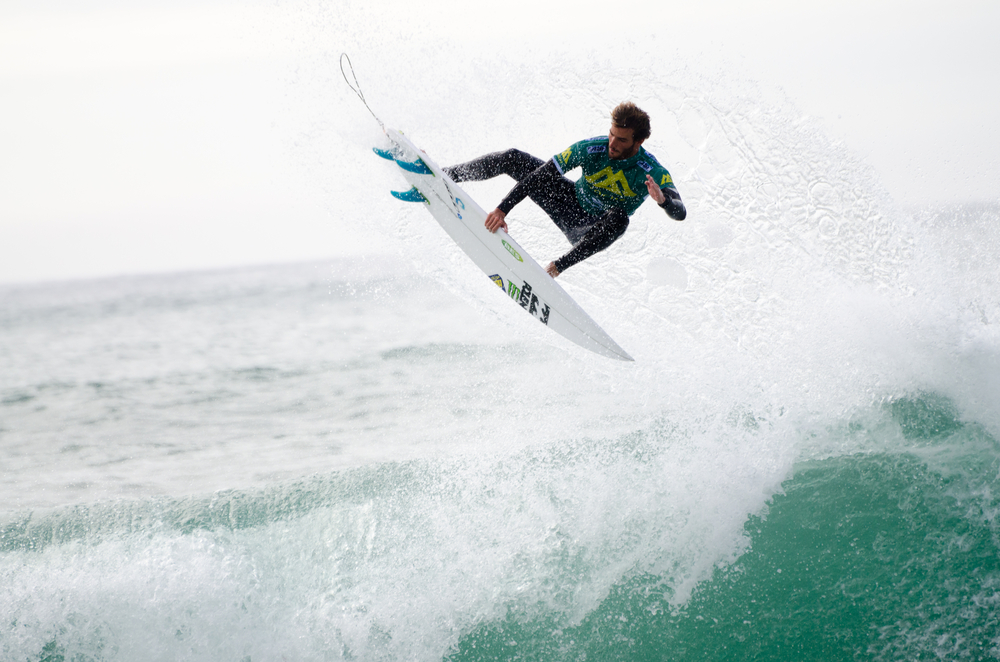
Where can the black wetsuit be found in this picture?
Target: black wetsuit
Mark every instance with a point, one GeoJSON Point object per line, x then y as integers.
{"type": "Point", "coordinates": [557, 196]}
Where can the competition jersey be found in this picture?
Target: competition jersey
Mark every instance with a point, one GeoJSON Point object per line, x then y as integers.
{"type": "Point", "coordinates": [607, 183]}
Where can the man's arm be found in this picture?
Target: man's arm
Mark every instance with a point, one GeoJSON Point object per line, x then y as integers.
{"type": "Point", "coordinates": [669, 199]}
{"type": "Point", "coordinates": [495, 219]}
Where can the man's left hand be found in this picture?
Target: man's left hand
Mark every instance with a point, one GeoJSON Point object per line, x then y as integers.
{"type": "Point", "coordinates": [551, 269]}
{"type": "Point", "coordinates": [654, 191]}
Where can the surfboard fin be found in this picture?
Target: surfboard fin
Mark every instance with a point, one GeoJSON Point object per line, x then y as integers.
{"type": "Point", "coordinates": [418, 166]}
{"type": "Point", "coordinates": [413, 195]}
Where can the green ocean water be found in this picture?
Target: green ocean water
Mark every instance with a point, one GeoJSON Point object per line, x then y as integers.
{"type": "Point", "coordinates": [887, 555]}
{"type": "Point", "coordinates": [871, 556]}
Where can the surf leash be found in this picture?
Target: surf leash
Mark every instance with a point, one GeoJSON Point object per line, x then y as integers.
{"type": "Point", "coordinates": [356, 86]}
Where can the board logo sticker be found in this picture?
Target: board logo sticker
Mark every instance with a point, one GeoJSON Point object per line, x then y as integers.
{"type": "Point", "coordinates": [510, 249]}
{"type": "Point", "coordinates": [499, 281]}
{"type": "Point", "coordinates": [529, 301]}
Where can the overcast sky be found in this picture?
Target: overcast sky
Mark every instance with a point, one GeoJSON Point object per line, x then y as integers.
{"type": "Point", "coordinates": [158, 136]}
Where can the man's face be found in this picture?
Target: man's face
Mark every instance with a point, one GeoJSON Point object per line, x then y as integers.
{"type": "Point", "coordinates": [620, 143]}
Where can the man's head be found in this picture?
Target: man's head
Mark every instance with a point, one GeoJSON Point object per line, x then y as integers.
{"type": "Point", "coordinates": [629, 128]}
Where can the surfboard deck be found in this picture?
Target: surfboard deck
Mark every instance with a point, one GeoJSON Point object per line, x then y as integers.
{"type": "Point", "coordinates": [507, 264]}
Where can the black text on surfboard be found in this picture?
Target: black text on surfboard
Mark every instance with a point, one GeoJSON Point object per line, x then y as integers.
{"type": "Point", "coordinates": [524, 296]}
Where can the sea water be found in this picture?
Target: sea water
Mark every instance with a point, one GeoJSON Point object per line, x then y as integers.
{"type": "Point", "coordinates": [382, 458]}
{"type": "Point", "coordinates": [347, 461]}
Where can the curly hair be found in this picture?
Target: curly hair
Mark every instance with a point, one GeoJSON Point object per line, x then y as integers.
{"type": "Point", "coordinates": [627, 115]}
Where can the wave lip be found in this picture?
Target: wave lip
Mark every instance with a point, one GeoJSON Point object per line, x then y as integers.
{"type": "Point", "coordinates": [642, 546]}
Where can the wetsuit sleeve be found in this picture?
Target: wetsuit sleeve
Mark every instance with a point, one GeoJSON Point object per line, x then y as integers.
{"type": "Point", "coordinates": [673, 205]}
{"type": "Point", "coordinates": [523, 187]}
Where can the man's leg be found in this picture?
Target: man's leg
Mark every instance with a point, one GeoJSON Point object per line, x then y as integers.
{"type": "Point", "coordinates": [513, 162]}
{"type": "Point", "coordinates": [601, 235]}
{"type": "Point", "coordinates": [555, 194]}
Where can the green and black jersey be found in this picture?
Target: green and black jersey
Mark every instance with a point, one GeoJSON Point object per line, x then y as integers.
{"type": "Point", "coordinates": [611, 183]}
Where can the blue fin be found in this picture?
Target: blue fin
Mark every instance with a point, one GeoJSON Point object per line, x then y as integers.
{"type": "Point", "coordinates": [384, 153]}
{"type": "Point", "coordinates": [417, 166]}
{"type": "Point", "coordinates": [413, 195]}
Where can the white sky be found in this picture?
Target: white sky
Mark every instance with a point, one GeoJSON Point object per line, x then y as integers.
{"type": "Point", "coordinates": [169, 135]}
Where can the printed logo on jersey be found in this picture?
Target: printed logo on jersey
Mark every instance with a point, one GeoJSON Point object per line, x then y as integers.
{"type": "Point", "coordinates": [597, 149]}
{"type": "Point", "coordinates": [499, 281]}
{"type": "Point", "coordinates": [565, 155]}
{"type": "Point", "coordinates": [613, 182]}
{"type": "Point", "coordinates": [645, 166]}
{"type": "Point", "coordinates": [666, 180]}
{"type": "Point", "coordinates": [510, 249]}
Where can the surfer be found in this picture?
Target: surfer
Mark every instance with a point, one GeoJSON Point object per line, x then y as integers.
{"type": "Point", "coordinates": [594, 212]}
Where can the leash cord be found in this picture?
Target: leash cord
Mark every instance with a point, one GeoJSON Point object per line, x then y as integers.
{"type": "Point", "coordinates": [356, 87]}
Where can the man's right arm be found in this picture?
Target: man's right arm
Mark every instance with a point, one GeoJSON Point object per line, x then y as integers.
{"type": "Point", "coordinates": [523, 187]}
{"type": "Point", "coordinates": [495, 219]}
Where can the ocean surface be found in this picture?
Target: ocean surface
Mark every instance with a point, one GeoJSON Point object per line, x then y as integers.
{"type": "Point", "coordinates": [348, 461]}
{"type": "Point", "coordinates": [379, 458]}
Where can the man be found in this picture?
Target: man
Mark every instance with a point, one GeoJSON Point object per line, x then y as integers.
{"type": "Point", "coordinates": [593, 213]}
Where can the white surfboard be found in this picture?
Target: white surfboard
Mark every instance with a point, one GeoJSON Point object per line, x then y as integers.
{"type": "Point", "coordinates": [522, 279]}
